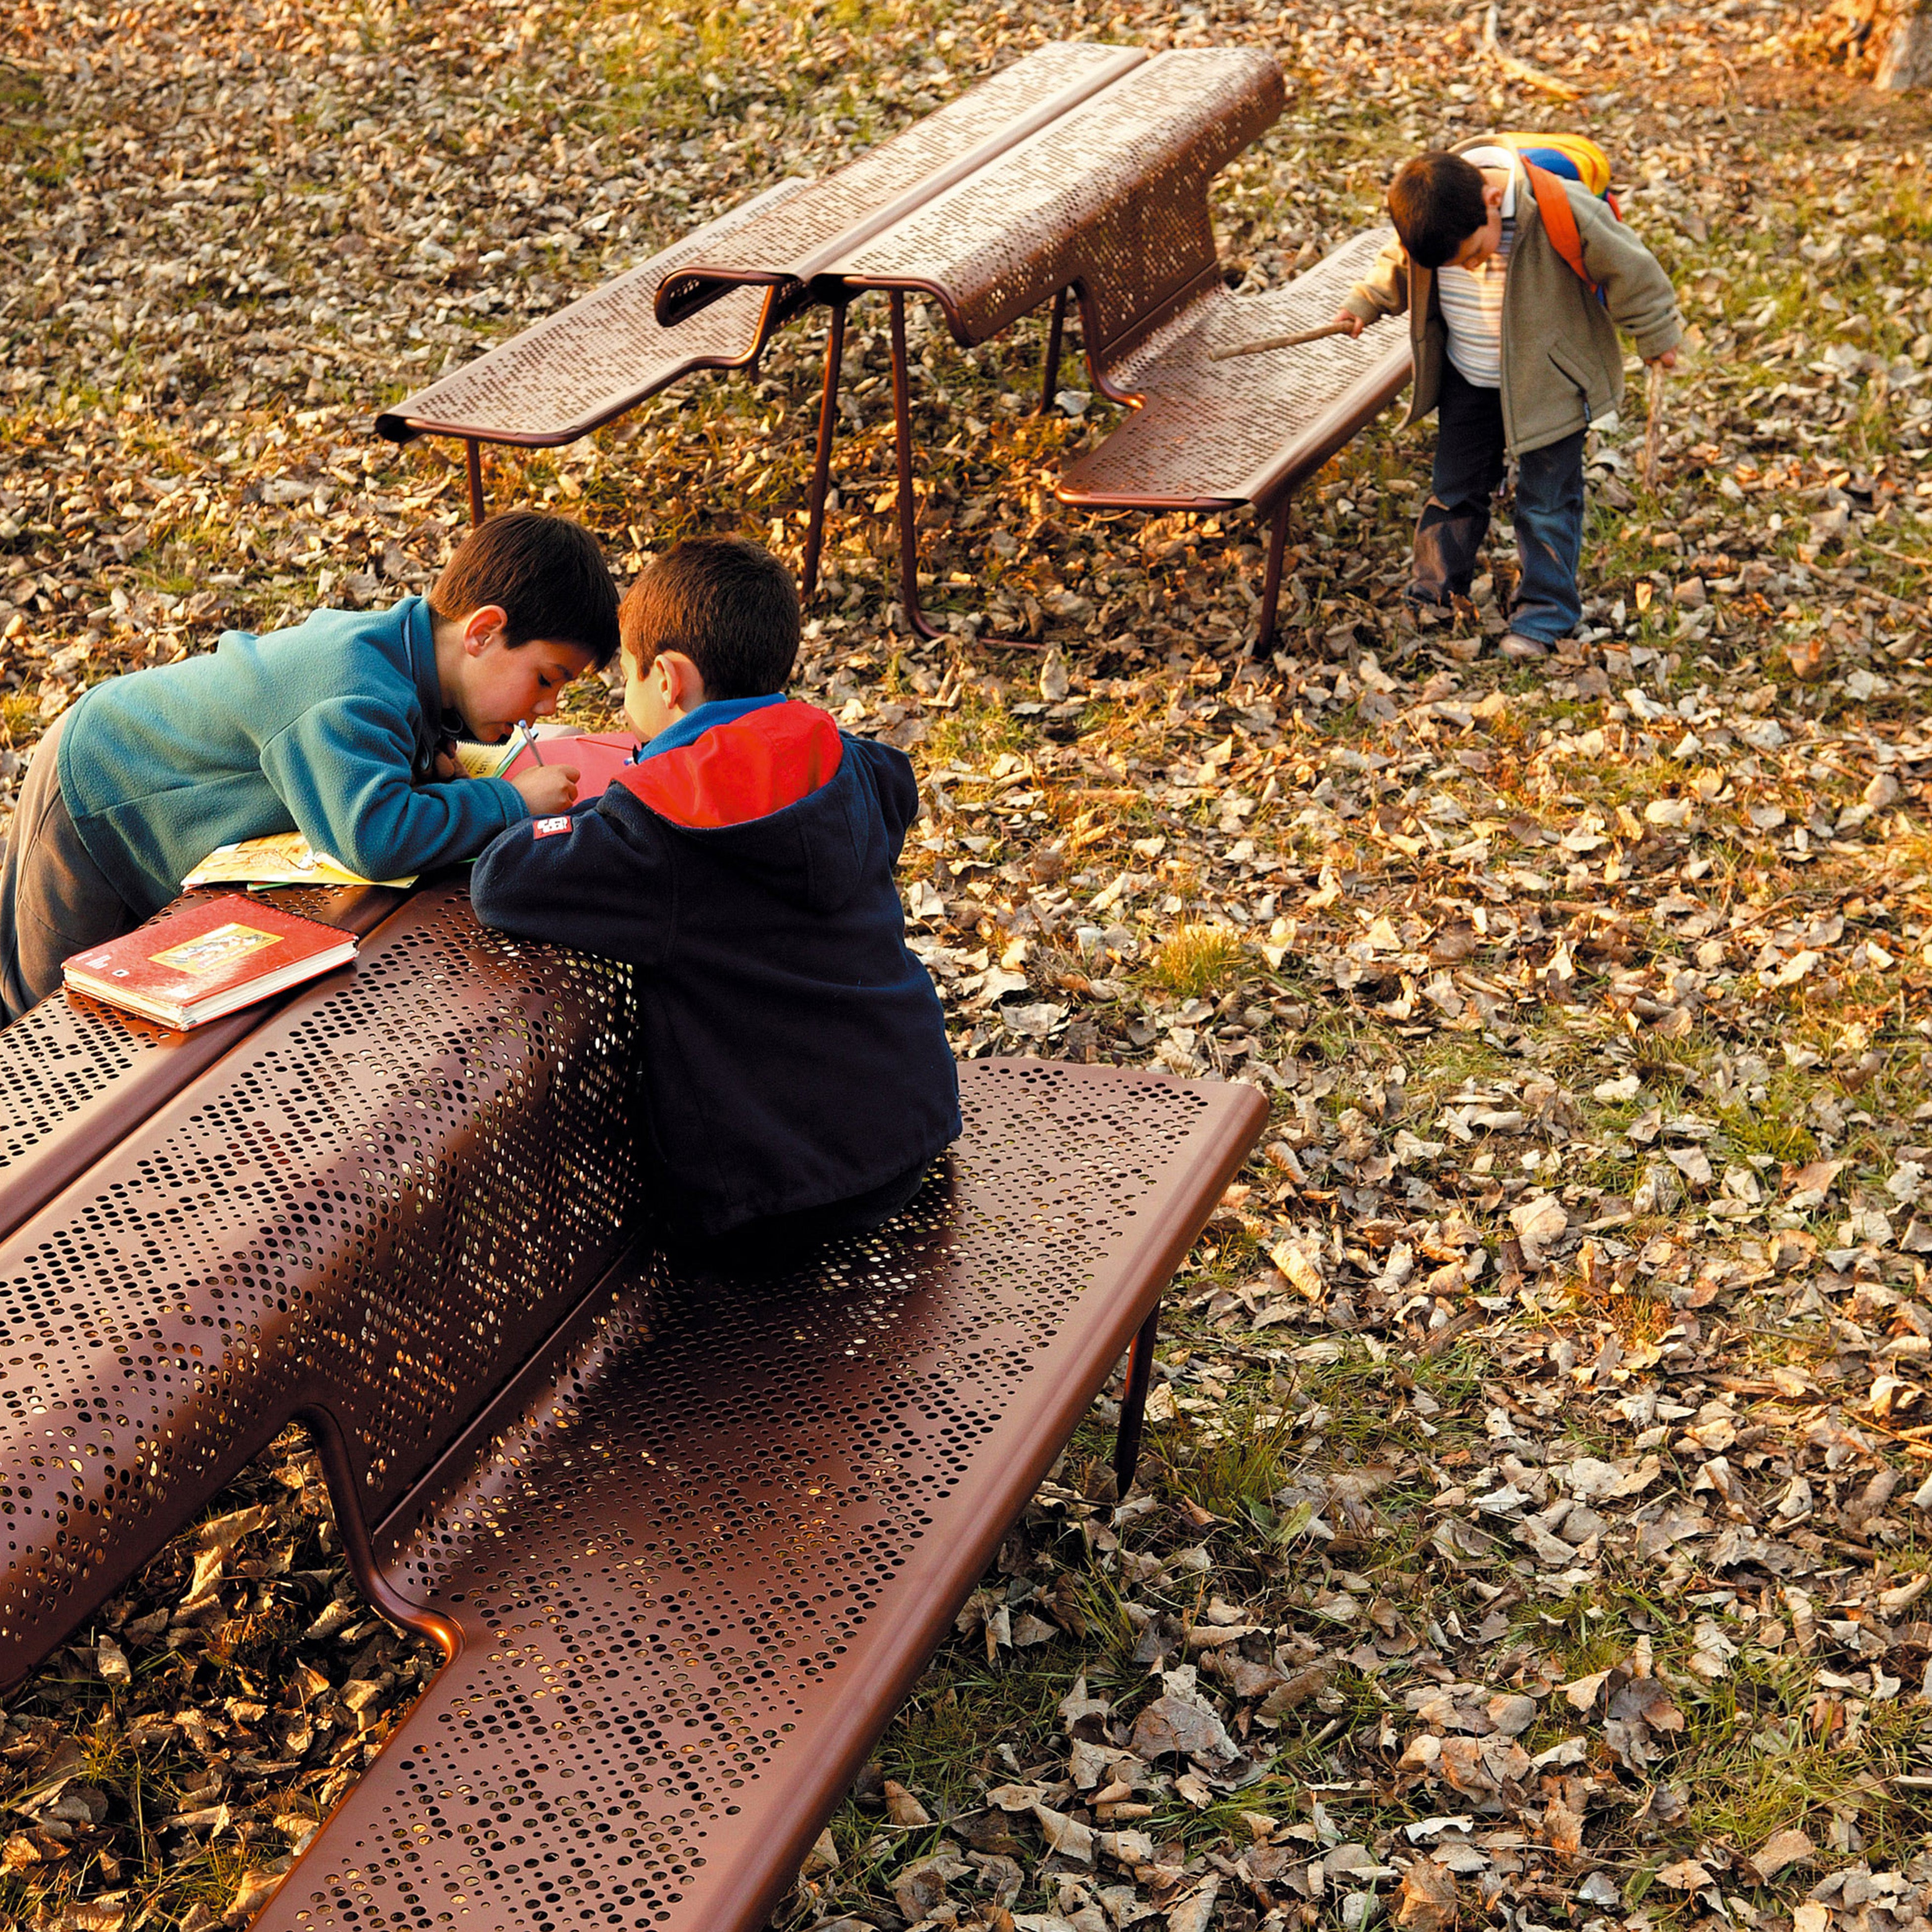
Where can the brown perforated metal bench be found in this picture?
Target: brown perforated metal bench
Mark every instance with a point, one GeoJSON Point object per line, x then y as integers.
{"type": "Point", "coordinates": [761, 263]}
{"type": "Point", "coordinates": [1246, 432]}
{"type": "Point", "coordinates": [687, 1538]}
{"type": "Point", "coordinates": [1110, 201]}
{"type": "Point", "coordinates": [1082, 169]}
{"type": "Point", "coordinates": [76, 1074]}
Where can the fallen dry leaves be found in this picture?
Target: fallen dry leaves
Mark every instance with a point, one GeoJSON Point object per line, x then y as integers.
{"type": "Point", "coordinates": [1541, 1452]}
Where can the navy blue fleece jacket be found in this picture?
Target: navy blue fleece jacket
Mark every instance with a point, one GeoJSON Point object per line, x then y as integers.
{"type": "Point", "coordinates": [327, 728]}
{"type": "Point", "coordinates": [792, 1052]}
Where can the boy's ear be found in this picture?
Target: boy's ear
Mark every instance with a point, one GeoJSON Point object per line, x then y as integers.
{"type": "Point", "coordinates": [679, 678]}
{"type": "Point", "coordinates": [482, 624]}
{"type": "Point", "coordinates": [1493, 192]}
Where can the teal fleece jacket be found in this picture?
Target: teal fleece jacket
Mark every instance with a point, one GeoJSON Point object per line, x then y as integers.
{"type": "Point", "coordinates": [328, 728]}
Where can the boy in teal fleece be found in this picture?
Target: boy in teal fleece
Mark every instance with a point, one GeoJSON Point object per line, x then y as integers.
{"type": "Point", "coordinates": [338, 728]}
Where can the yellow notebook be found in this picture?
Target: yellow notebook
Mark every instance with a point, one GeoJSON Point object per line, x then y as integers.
{"type": "Point", "coordinates": [486, 761]}
{"type": "Point", "coordinates": [281, 859]}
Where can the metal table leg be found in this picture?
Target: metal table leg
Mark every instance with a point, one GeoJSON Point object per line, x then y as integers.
{"type": "Point", "coordinates": [902, 423]}
{"type": "Point", "coordinates": [828, 420]}
{"type": "Point", "coordinates": [477, 512]}
{"type": "Point", "coordinates": [1133, 1404]}
{"type": "Point", "coordinates": [1050, 375]}
{"type": "Point", "coordinates": [1271, 582]}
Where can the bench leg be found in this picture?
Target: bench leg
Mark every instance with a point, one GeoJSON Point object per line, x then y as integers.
{"type": "Point", "coordinates": [1050, 375]}
{"type": "Point", "coordinates": [902, 425]}
{"type": "Point", "coordinates": [477, 512]}
{"type": "Point", "coordinates": [1271, 581]}
{"type": "Point", "coordinates": [828, 420]}
{"type": "Point", "coordinates": [1133, 1404]}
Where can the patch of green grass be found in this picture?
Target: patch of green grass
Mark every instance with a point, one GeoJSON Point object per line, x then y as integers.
{"type": "Point", "coordinates": [1238, 1473]}
{"type": "Point", "coordinates": [1197, 959]}
{"type": "Point", "coordinates": [1764, 1764]}
{"type": "Point", "coordinates": [948, 1733]}
{"type": "Point", "coordinates": [974, 733]}
{"type": "Point", "coordinates": [1774, 1127]}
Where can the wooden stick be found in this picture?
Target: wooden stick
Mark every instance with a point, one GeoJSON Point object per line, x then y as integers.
{"type": "Point", "coordinates": [1519, 71]}
{"type": "Point", "coordinates": [1653, 428]}
{"type": "Point", "coordinates": [1281, 341]}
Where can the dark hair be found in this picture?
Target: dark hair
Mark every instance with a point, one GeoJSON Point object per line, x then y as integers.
{"type": "Point", "coordinates": [728, 604]}
{"type": "Point", "coordinates": [1436, 203]}
{"type": "Point", "coordinates": [548, 573]}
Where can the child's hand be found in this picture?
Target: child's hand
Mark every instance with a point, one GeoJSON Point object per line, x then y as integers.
{"type": "Point", "coordinates": [1668, 360]}
{"type": "Point", "coordinates": [1350, 325]}
{"type": "Point", "coordinates": [546, 789]}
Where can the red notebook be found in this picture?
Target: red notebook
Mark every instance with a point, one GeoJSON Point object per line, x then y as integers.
{"type": "Point", "coordinates": [207, 959]}
{"type": "Point", "coordinates": [598, 756]}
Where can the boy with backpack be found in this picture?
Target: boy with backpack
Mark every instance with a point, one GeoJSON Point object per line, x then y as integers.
{"type": "Point", "coordinates": [1517, 273]}
{"type": "Point", "coordinates": [794, 1075]}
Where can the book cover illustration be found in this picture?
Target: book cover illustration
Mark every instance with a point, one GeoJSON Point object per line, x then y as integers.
{"type": "Point", "coordinates": [208, 958]}
{"type": "Point", "coordinates": [215, 951]}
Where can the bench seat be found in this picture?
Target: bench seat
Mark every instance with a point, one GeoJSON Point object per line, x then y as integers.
{"type": "Point", "coordinates": [564, 376]}
{"type": "Point", "coordinates": [1204, 435]}
{"type": "Point", "coordinates": [691, 1562]}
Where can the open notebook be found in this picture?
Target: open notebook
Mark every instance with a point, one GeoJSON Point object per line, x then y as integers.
{"type": "Point", "coordinates": [277, 859]}
{"type": "Point", "coordinates": [598, 756]}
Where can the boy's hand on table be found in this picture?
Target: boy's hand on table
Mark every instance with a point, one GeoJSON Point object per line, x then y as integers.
{"type": "Point", "coordinates": [1352, 325]}
{"type": "Point", "coordinates": [547, 788]}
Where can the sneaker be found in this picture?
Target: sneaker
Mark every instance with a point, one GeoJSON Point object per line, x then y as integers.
{"type": "Point", "coordinates": [1516, 645]}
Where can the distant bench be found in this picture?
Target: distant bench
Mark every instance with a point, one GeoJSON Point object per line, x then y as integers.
{"type": "Point", "coordinates": [1080, 168]}
{"type": "Point", "coordinates": [687, 1539]}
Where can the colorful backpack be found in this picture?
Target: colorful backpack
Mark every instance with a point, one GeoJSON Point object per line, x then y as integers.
{"type": "Point", "coordinates": [1575, 157]}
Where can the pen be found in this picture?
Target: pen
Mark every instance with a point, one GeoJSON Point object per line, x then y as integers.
{"type": "Point", "coordinates": [529, 741]}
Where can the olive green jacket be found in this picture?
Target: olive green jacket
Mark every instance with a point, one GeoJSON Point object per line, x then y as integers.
{"type": "Point", "coordinates": [1562, 366]}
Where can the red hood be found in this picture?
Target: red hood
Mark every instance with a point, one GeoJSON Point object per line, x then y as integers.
{"type": "Point", "coordinates": [745, 769]}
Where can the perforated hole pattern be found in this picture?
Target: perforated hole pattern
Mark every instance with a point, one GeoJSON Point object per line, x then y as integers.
{"type": "Point", "coordinates": [599, 356]}
{"type": "Point", "coordinates": [1237, 429]}
{"type": "Point", "coordinates": [697, 1554]}
{"type": "Point", "coordinates": [1112, 196]}
{"type": "Point", "coordinates": [78, 1071]}
{"type": "Point", "coordinates": [792, 240]}
{"type": "Point", "coordinates": [370, 1212]}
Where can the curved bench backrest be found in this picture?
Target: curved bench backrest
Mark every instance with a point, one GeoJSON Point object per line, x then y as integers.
{"type": "Point", "coordinates": [366, 1215]}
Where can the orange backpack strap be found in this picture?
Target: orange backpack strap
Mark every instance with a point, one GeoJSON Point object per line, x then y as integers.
{"type": "Point", "coordinates": [1559, 220]}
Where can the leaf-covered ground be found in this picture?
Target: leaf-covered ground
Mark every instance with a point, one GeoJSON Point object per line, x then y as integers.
{"type": "Point", "coordinates": [1532, 1523]}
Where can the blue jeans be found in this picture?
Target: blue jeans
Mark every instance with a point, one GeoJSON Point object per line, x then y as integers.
{"type": "Point", "coordinates": [1469, 463]}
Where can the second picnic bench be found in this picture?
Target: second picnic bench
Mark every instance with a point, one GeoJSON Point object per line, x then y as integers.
{"type": "Point", "coordinates": [687, 1538]}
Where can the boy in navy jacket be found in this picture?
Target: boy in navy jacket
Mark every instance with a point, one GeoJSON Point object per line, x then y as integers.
{"type": "Point", "coordinates": [796, 1077]}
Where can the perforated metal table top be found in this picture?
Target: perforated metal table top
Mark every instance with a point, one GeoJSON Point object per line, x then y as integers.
{"type": "Point", "coordinates": [692, 1560]}
{"type": "Point", "coordinates": [1209, 434]}
{"type": "Point", "coordinates": [1110, 197]}
{"type": "Point", "coordinates": [793, 246]}
{"type": "Point", "coordinates": [76, 1074]}
{"type": "Point", "coordinates": [368, 1214]}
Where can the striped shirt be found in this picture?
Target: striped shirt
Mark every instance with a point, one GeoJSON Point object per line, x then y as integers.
{"type": "Point", "coordinates": [1472, 299]}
